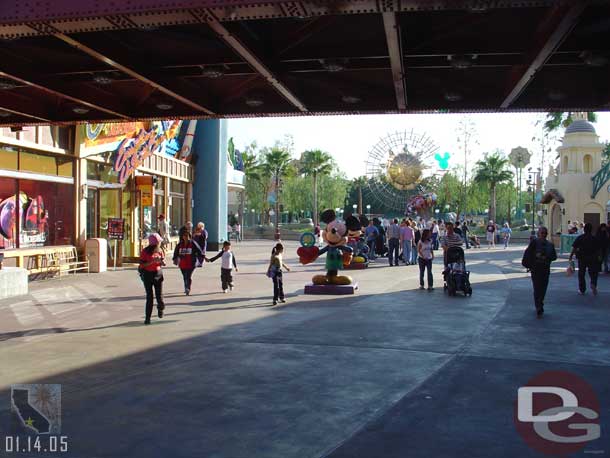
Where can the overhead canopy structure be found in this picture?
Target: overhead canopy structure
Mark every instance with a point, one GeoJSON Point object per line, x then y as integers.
{"type": "Point", "coordinates": [67, 61]}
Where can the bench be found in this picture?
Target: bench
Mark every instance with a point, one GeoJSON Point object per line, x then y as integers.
{"type": "Point", "coordinates": [46, 261]}
{"type": "Point", "coordinates": [66, 261]}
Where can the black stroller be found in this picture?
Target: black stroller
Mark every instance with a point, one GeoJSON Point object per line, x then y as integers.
{"type": "Point", "coordinates": [456, 277]}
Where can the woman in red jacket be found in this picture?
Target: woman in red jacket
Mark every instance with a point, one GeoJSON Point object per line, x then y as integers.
{"type": "Point", "coordinates": [152, 258]}
{"type": "Point", "coordinates": [186, 254]}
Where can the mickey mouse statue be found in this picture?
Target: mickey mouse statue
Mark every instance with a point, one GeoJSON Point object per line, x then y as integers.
{"type": "Point", "coordinates": [337, 253]}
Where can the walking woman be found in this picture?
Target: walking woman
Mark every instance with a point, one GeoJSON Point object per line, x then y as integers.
{"type": "Point", "coordinates": [152, 258]}
{"type": "Point", "coordinates": [426, 255]}
{"type": "Point", "coordinates": [275, 272]}
{"type": "Point", "coordinates": [186, 255]}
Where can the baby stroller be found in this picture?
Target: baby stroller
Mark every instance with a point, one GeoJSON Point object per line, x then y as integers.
{"type": "Point", "coordinates": [456, 277]}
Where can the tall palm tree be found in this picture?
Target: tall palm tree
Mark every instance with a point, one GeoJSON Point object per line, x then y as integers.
{"type": "Point", "coordinates": [360, 182]}
{"type": "Point", "coordinates": [277, 163]}
{"type": "Point", "coordinates": [316, 163]}
{"type": "Point", "coordinates": [252, 174]}
{"type": "Point", "coordinates": [492, 170]}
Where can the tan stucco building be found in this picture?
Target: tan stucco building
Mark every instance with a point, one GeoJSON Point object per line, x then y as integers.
{"type": "Point", "coordinates": [569, 186]}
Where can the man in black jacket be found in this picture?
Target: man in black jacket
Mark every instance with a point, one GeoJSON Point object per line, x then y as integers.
{"type": "Point", "coordinates": [537, 258]}
{"type": "Point", "coordinates": [588, 252]}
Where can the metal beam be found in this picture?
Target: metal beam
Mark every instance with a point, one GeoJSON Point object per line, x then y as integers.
{"type": "Point", "coordinates": [128, 71]}
{"type": "Point", "coordinates": [249, 57]}
{"type": "Point", "coordinates": [77, 97]}
{"type": "Point", "coordinates": [392, 35]}
{"type": "Point", "coordinates": [22, 106]}
{"type": "Point", "coordinates": [553, 30]}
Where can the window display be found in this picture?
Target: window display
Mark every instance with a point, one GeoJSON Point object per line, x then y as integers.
{"type": "Point", "coordinates": [49, 214]}
{"type": "Point", "coordinates": [34, 213]}
{"type": "Point", "coordinates": [8, 228]}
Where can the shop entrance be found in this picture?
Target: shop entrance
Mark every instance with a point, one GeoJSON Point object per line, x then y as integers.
{"type": "Point", "coordinates": [103, 204]}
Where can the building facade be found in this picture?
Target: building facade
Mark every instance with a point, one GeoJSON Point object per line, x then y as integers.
{"type": "Point", "coordinates": [570, 193]}
{"type": "Point", "coordinates": [60, 186]}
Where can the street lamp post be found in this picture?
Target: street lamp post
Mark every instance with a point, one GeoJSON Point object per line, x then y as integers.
{"type": "Point", "coordinates": [532, 182]}
{"type": "Point", "coordinates": [354, 207]}
{"type": "Point", "coordinates": [368, 210]}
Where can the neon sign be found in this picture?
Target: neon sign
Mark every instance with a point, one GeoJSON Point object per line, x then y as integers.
{"type": "Point", "coordinates": [133, 151]}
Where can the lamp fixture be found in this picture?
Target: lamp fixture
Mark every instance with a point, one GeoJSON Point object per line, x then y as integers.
{"type": "Point", "coordinates": [212, 72]}
{"type": "Point", "coordinates": [254, 101]}
{"type": "Point", "coordinates": [7, 85]}
{"type": "Point", "coordinates": [164, 106]}
{"type": "Point", "coordinates": [451, 96]}
{"type": "Point", "coordinates": [461, 62]}
{"type": "Point", "coordinates": [4, 114]}
{"type": "Point", "coordinates": [80, 110]}
{"type": "Point", "coordinates": [351, 99]}
{"type": "Point", "coordinates": [555, 95]}
{"type": "Point", "coordinates": [593, 60]}
{"type": "Point", "coordinates": [102, 79]}
{"type": "Point", "coordinates": [333, 65]}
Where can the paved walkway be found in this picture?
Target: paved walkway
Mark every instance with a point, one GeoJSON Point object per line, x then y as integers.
{"type": "Point", "coordinates": [389, 372]}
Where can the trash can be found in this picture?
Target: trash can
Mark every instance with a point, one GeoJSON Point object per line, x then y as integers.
{"type": "Point", "coordinates": [97, 253]}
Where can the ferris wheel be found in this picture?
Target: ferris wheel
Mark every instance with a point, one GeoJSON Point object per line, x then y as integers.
{"type": "Point", "coordinates": [395, 167]}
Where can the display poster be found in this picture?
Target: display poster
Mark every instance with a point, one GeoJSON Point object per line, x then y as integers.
{"type": "Point", "coordinates": [116, 228]}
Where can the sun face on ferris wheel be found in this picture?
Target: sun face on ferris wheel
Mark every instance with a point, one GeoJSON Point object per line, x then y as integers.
{"type": "Point", "coordinates": [396, 164]}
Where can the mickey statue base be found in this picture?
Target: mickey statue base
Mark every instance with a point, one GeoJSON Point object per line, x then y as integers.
{"type": "Point", "coordinates": [338, 255]}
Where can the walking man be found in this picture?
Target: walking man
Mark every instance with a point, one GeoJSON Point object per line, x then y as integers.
{"type": "Point", "coordinates": [371, 233]}
{"type": "Point", "coordinates": [588, 252]}
{"type": "Point", "coordinates": [393, 234]}
{"type": "Point", "coordinates": [537, 258]}
{"type": "Point", "coordinates": [465, 236]}
{"type": "Point", "coordinates": [163, 230]}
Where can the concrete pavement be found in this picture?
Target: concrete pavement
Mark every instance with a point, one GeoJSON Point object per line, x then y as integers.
{"type": "Point", "coordinates": [390, 371]}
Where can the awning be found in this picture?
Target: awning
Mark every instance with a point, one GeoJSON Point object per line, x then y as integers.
{"type": "Point", "coordinates": [552, 194]}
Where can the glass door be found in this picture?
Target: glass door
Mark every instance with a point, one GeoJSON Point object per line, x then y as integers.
{"type": "Point", "coordinates": [126, 215]}
{"type": "Point", "coordinates": [92, 206]}
{"type": "Point", "coordinates": [109, 207]}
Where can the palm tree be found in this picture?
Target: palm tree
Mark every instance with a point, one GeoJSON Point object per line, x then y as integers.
{"type": "Point", "coordinates": [492, 170]}
{"type": "Point", "coordinates": [277, 163]}
{"type": "Point", "coordinates": [316, 163]}
{"type": "Point", "coordinates": [360, 182]}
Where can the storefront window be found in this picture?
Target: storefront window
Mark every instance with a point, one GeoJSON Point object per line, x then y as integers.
{"type": "Point", "coordinates": [8, 217]}
{"type": "Point", "coordinates": [8, 158]}
{"type": "Point", "coordinates": [65, 167]}
{"type": "Point", "coordinates": [178, 187]}
{"type": "Point", "coordinates": [177, 214]}
{"type": "Point", "coordinates": [47, 165]}
{"type": "Point", "coordinates": [101, 172]}
{"type": "Point", "coordinates": [38, 163]}
{"type": "Point", "coordinates": [47, 214]}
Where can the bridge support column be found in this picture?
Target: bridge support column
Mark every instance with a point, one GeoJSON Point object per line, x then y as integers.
{"type": "Point", "coordinates": [210, 184]}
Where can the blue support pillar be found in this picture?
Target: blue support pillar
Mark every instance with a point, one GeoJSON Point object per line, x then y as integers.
{"type": "Point", "coordinates": [210, 184]}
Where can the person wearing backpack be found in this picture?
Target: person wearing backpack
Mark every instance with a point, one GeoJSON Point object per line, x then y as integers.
{"type": "Point", "coordinates": [587, 249]}
{"type": "Point", "coordinates": [537, 258]}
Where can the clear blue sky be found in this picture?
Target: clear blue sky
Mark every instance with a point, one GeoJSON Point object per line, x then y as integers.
{"type": "Point", "coordinates": [349, 138]}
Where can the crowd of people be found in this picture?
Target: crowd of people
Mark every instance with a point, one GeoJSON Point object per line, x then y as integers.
{"type": "Point", "coordinates": [410, 242]}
